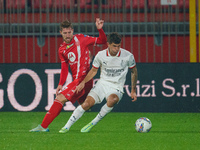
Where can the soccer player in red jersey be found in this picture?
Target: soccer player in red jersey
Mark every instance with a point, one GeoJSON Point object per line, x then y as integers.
{"type": "Point", "coordinates": [73, 52]}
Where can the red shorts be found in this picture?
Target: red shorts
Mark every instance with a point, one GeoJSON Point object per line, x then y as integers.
{"type": "Point", "coordinates": [68, 91]}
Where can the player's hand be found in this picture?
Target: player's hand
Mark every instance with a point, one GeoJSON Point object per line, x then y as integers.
{"type": "Point", "coordinates": [58, 89]}
{"type": "Point", "coordinates": [133, 96]}
{"type": "Point", "coordinates": [99, 23]}
{"type": "Point", "coordinates": [80, 87]}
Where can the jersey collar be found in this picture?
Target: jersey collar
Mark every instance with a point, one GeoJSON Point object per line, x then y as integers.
{"type": "Point", "coordinates": [108, 54]}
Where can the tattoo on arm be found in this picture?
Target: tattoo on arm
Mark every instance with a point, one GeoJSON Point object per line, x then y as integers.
{"type": "Point", "coordinates": [134, 76]}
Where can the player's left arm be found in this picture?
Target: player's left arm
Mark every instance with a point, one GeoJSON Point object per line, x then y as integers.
{"type": "Point", "coordinates": [99, 23]}
{"type": "Point", "coordinates": [102, 39]}
{"type": "Point", "coordinates": [134, 76]}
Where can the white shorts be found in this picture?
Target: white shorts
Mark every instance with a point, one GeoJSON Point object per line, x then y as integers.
{"type": "Point", "coordinates": [101, 91]}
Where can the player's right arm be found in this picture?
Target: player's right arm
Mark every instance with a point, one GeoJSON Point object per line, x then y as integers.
{"type": "Point", "coordinates": [91, 73]}
{"type": "Point", "coordinates": [88, 77]}
{"type": "Point", "coordinates": [58, 89]}
{"type": "Point", "coordinates": [63, 73]}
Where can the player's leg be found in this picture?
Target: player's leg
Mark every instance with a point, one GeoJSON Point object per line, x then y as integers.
{"type": "Point", "coordinates": [53, 112]}
{"type": "Point", "coordinates": [78, 112]}
{"type": "Point", "coordinates": [111, 101]}
{"type": "Point", "coordinates": [66, 95]}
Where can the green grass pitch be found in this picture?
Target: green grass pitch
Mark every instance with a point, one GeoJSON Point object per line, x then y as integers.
{"type": "Point", "coordinates": [170, 131]}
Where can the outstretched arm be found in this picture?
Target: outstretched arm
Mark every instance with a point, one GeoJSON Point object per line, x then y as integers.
{"type": "Point", "coordinates": [89, 76]}
{"type": "Point", "coordinates": [102, 39]}
{"type": "Point", "coordinates": [134, 75]}
{"type": "Point", "coordinates": [99, 23]}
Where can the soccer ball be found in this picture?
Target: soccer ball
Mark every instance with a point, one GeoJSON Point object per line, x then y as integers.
{"type": "Point", "coordinates": [143, 125]}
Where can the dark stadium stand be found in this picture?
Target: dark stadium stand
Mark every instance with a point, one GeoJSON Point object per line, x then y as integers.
{"type": "Point", "coordinates": [135, 4]}
{"type": "Point", "coordinates": [62, 4]}
{"type": "Point", "coordinates": [111, 4]}
{"type": "Point", "coordinates": [1, 5]}
{"type": "Point", "coordinates": [36, 4]}
{"type": "Point", "coordinates": [89, 4]}
{"type": "Point", "coordinates": [25, 21]}
{"type": "Point", "coordinates": [152, 4]}
{"type": "Point", "coordinates": [15, 4]}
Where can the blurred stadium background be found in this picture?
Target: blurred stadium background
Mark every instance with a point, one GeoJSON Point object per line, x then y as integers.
{"type": "Point", "coordinates": [162, 35]}
{"type": "Point", "coordinates": [155, 31]}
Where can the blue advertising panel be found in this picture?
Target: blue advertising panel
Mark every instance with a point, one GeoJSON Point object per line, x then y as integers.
{"type": "Point", "coordinates": [166, 87]}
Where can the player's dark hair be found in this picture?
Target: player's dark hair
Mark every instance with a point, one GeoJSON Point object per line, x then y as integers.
{"type": "Point", "coordinates": [65, 24]}
{"type": "Point", "coordinates": [114, 38]}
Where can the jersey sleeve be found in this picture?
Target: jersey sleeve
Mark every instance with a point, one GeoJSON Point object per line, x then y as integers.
{"type": "Point", "coordinates": [64, 69]}
{"type": "Point", "coordinates": [102, 39]}
{"type": "Point", "coordinates": [61, 56]}
{"type": "Point", "coordinates": [131, 62]}
{"type": "Point", "coordinates": [63, 73]}
{"type": "Point", "coordinates": [96, 63]}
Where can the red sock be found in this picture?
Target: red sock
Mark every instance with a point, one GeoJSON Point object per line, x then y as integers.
{"type": "Point", "coordinates": [53, 112]}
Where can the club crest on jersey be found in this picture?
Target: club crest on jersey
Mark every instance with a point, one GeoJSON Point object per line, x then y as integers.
{"type": "Point", "coordinates": [71, 56]}
{"type": "Point", "coordinates": [68, 46]}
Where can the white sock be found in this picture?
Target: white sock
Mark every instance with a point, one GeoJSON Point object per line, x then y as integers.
{"type": "Point", "coordinates": [103, 112]}
{"type": "Point", "coordinates": [78, 112]}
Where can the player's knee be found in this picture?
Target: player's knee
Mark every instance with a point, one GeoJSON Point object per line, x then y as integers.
{"type": "Point", "coordinates": [112, 100]}
{"type": "Point", "coordinates": [88, 103]}
{"type": "Point", "coordinates": [111, 103]}
{"type": "Point", "coordinates": [61, 98]}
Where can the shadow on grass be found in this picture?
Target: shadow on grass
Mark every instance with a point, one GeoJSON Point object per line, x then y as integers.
{"type": "Point", "coordinates": [197, 132]}
{"type": "Point", "coordinates": [96, 131]}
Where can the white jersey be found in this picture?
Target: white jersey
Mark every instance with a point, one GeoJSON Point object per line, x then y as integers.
{"type": "Point", "coordinates": [114, 68]}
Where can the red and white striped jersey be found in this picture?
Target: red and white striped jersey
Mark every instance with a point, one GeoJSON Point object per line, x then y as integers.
{"type": "Point", "coordinates": [76, 55]}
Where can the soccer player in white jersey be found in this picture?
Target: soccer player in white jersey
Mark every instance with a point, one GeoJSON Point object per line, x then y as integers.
{"type": "Point", "coordinates": [114, 63]}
